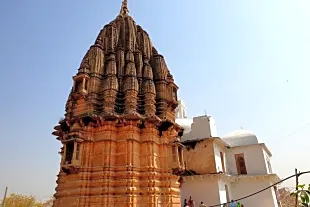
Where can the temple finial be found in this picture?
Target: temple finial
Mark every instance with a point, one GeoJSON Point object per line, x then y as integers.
{"type": "Point", "coordinates": [124, 9]}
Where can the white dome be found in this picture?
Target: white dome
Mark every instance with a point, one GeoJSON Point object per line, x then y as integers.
{"type": "Point", "coordinates": [240, 138]}
{"type": "Point", "coordinates": [184, 123]}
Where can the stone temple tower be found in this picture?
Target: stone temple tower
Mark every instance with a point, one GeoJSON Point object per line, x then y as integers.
{"type": "Point", "coordinates": [121, 145]}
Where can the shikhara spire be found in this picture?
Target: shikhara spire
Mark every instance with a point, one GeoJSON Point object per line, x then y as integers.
{"type": "Point", "coordinates": [124, 9]}
{"type": "Point", "coordinates": [119, 128]}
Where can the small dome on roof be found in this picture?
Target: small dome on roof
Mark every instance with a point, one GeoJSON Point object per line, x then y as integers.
{"type": "Point", "coordinates": [241, 138]}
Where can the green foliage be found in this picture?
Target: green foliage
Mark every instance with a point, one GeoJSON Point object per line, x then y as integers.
{"type": "Point", "coordinates": [303, 195]}
{"type": "Point", "coordinates": [18, 200]}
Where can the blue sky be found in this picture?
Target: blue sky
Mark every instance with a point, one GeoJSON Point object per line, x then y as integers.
{"type": "Point", "coordinates": [245, 62]}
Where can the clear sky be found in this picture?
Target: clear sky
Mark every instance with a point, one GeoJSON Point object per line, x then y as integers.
{"type": "Point", "coordinates": [245, 62]}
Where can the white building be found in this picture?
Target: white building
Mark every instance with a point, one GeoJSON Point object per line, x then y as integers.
{"type": "Point", "coordinates": [226, 168]}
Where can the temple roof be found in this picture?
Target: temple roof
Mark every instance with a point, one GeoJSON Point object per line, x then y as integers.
{"type": "Point", "coordinates": [126, 73]}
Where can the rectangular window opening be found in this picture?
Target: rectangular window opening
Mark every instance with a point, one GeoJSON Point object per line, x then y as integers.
{"type": "Point", "coordinates": [77, 156]}
{"type": "Point", "coordinates": [174, 94]}
{"type": "Point", "coordinates": [78, 85]}
{"type": "Point", "coordinates": [240, 164]}
{"type": "Point", "coordinates": [180, 155]}
{"type": "Point", "coordinates": [69, 152]}
{"type": "Point", "coordinates": [222, 162]}
{"type": "Point", "coordinates": [86, 84]}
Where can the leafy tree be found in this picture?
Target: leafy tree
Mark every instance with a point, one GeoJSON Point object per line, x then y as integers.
{"type": "Point", "coordinates": [303, 195]}
{"type": "Point", "coordinates": [18, 200]}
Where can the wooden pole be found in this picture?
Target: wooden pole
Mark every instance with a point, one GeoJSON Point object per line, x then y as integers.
{"type": "Point", "coordinates": [4, 197]}
{"type": "Point", "coordinates": [296, 175]}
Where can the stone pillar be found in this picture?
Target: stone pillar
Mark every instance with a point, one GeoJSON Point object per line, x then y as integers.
{"type": "Point", "coordinates": [83, 84]}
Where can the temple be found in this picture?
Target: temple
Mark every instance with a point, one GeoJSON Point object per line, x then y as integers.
{"type": "Point", "coordinates": [121, 145]}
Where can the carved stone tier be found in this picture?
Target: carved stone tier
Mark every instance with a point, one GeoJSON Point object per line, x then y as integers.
{"type": "Point", "coordinates": [121, 163]}
{"type": "Point", "coordinates": [118, 70]}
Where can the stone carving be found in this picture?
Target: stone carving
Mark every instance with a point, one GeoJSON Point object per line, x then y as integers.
{"type": "Point", "coordinates": [119, 46]}
{"type": "Point", "coordinates": [119, 131]}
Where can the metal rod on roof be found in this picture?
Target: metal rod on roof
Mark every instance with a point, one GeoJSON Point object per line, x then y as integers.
{"type": "Point", "coordinates": [4, 197]}
{"type": "Point", "coordinates": [297, 182]}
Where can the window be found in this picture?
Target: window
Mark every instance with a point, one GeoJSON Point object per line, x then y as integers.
{"type": "Point", "coordinates": [69, 152]}
{"type": "Point", "coordinates": [78, 85]}
{"type": "Point", "coordinates": [222, 161]}
{"type": "Point", "coordinates": [86, 84]}
{"type": "Point", "coordinates": [180, 155]}
{"type": "Point", "coordinates": [77, 155]}
{"type": "Point", "coordinates": [174, 157]}
{"type": "Point", "coordinates": [240, 164]}
{"type": "Point", "coordinates": [174, 94]}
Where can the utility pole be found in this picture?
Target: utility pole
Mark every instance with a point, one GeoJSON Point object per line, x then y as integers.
{"type": "Point", "coordinates": [296, 176]}
{"type": "Point", "coordinates": [4, 197]}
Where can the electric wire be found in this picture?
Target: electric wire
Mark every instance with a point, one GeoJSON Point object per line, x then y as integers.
{"type": "Point", "coordinates": [298, 174]}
